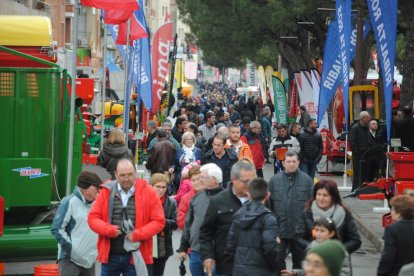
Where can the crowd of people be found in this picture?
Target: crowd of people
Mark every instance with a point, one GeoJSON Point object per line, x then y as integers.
{"type": "Point", "coordinates": [207, 179]}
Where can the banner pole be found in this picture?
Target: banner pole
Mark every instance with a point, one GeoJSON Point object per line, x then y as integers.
{"type": "Point", "coordinates": [344, 187]}
{"type": "Point", "coordinates": [103, 96]}
{"type": "Point", "coordinates": [126, 69]}
{"type": "Point", "coordinates": [385, 208]}
{"type": "Point", "coordinates": [72, 96]}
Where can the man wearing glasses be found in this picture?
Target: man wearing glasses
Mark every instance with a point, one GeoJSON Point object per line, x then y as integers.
{"type": "Point", "coordinates": [252, 138]}
{"type": "Point", "coordinates": [219, 217]}
{"type": "Point", "coordinates": [126, 215]}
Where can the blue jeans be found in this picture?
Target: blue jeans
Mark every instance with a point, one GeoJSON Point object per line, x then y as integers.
{"type": "Point", "coordinates": [309, 167]}
{"type": "Point", "coordinates": [118, 264]}
{"type": "Point", "coordinates": [278, 166]}
{"type": "Point", "coordinates": [196, 265]}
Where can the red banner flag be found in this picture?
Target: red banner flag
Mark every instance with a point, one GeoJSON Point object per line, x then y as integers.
{"type": "Point", "coordinates": [117, 16]}
{"type": "Point", "coordinates": [137, 31]}
{"type": "Point", "coordinates": [111, 4]}
{"type": "Point", "coordinates": [160, 53]}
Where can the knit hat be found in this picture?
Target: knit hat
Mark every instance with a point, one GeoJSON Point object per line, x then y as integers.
{"type": "Point", "coordinates": [333, 254]}
{"type": "Point", "coordinates": [186, 169]}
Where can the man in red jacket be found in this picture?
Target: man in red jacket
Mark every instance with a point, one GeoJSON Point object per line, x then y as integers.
{"type": "Point", "coordinates": [252, 138]}
{"type": "Point", "coordinates": [127, 201]}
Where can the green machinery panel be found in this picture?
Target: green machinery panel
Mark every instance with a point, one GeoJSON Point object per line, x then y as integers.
{"type": "Point", "coordinates": [25, 182]}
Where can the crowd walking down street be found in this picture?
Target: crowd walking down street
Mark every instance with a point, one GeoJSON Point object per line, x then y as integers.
{"type": "Point", "coordinates": [240, 214]}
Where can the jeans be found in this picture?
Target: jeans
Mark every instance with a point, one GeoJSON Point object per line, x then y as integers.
{"type": "Point", "coordinates": [278, 166]}
{"type": "Point", "coordinates": [69, 268]}
{"type": "Point", "coordinates": [297, 253]}
{"type": "Point", "coordinates": [118, 264]}
{"type": "Point", "coordinates": [196, 265]}
{"type": "Point", "coordinates": [309, 167]}
{"type": "Point", "coordinates": [158, 266]}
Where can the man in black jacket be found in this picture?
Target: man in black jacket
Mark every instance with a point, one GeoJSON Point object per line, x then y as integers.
{"type": "Point", "coordinates": [289, 191]}
{"type": "Point", "coordinates": [359, 142]}
{"type": "Point", "coordinates": [222, 157]}
{"type": "Point", "coordinates": [404, 129]}
{"type": "Point", "coordinates": [310, 141]}
{"type": "Point", "coordinates": [219, 217]}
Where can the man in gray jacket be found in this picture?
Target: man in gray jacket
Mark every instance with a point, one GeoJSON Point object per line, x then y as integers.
{"type": "Point", "coordinates": [211, 176]}
{"type": "Point", "coordinates": [77, 250]}
{"type": "Point", "coordinates": [289, 190]}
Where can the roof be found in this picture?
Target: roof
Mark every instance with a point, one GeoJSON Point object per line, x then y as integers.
{"type": "Point", "coordinates": [25, 31]}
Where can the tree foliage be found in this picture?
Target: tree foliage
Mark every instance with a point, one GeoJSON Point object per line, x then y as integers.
{"type": "Point", "coordinates": [231, 31]}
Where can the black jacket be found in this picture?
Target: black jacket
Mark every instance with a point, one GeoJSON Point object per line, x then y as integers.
{"type": "Point", "coordinates": [252, 241]}
{"type": "Point", "coordinates": [311, 146]}
{"type": "Point", "coordinates": [289, 193]}
{"type": "Point", "coordinates": [404, 130]}
{"type": "Point", "coordinates": [231, 158]}
{"type": "Point", "coordinates": [359, 139]}
{"type": "Point", "coordinates": [110, 154]}
{"type": "Point", "coordinates": [215, 229]}
{"type": "Point", "coordinates": [170, 211]}
{"type": "Point", "coordinates": [348, 231]}
{"type": "Point", "coordinates": [398, 247]}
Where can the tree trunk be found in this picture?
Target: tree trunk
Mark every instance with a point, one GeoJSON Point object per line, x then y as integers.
{"type": "Point", "coordinates": [407, 87]}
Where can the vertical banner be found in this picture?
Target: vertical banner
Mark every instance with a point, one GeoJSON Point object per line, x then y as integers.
{"type": "Point", "coordinates": [251, 74]}
{"type": "Point", "coordinates": [141, 59]}
{"type": "Point", "coordinates": [316, 83]}
{"type": "Point", "coordinates": [331, 68]}
{"type": "Point", "coordinates": [142, 75]}
{"type": "Point", "coordinates": [279, 100]}
{"type": "Point", "coordinates": [262, 82]}
{"type": "Point", "coordinates": [160, 54]}
{"type": "Point", "coordinates": [294, 98]}
{"type": "Point", "coordinates": [343, 19]}
{"type": "Point", "coordinates": [268, 75]}
{"type": "Point", "coordinates": [383, 16]}
{"type": "Point", "coordinates": [306, 92]}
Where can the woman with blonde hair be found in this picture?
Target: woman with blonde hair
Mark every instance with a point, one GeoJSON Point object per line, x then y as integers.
{"type": "Point", "coordinates": [114, 149]}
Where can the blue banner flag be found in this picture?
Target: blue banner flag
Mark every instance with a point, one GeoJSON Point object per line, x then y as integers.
{"type": "Point", "coordinates": [343, 20]}
{"type": "Point", "coordinates": [331, 68]}
{"type": "Point", "coordinates": [141, 58]}
{"type": "Point", "coordinates": [383, 14]}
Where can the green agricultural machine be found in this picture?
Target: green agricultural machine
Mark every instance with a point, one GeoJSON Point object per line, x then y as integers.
{"type": "Point", "coordinates": [35, 104]}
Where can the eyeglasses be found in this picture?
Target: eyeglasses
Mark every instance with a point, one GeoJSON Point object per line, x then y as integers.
{"type": "Point", "coordinates": [160, 187]}
{"type": "Point", "coordinates": [246, 181]}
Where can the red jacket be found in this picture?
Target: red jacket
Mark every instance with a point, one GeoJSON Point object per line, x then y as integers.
{"type": "Point", "coordinates": [183, 208]}
{"type": "Point", "coordinates": [185, 187]}
{"type": "Point", "coordinates": [256, 148]}
{"type": "Point", "coordinates": [149, 219]}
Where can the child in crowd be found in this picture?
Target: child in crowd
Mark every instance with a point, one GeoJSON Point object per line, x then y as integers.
{"type": "Point", "coordinates": [324, 230]}
{"type": "Point", "coordinates": [185, 183]}
{"type": "Point", "coordinates": [252, 236]}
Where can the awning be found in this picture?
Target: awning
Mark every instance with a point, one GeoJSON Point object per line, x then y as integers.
{"type": "Point", "coordinates": [25, 31]}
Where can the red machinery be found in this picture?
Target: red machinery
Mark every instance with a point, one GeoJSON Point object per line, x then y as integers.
{"type": "Point", "coordinates": [333, 149]}
{"type": "Point", "coordinates": [401, 170]}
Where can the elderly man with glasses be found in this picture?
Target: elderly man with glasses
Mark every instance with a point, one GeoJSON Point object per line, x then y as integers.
{"type": "Point", "coordinates": [219, 217]}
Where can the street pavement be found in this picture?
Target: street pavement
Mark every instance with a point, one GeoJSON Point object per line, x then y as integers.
{"type": "Point", "coordinates": [364, 261]}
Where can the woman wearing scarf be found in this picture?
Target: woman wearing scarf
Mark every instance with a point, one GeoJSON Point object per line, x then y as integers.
{"type": "Point", "coordinates": [326, 203]}
{"type": "Point", "coordinates": [187, 154]}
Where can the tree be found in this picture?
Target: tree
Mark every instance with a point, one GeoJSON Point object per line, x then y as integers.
{"type": "Point", "coordinates": [406, 26]}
